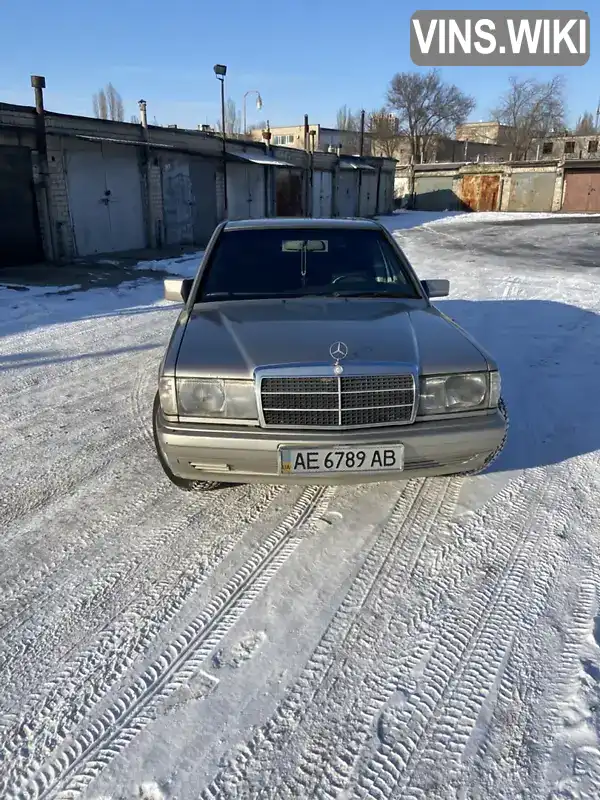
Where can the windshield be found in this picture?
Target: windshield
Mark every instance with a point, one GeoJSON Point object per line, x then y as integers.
{"type": "Point", "coordinates": [297, 262]}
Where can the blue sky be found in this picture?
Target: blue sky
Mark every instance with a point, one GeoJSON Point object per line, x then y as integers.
{"type": "Point", "coordinates": [304, 56]}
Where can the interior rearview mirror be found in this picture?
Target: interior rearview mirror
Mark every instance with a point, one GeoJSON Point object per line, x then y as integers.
{"type": "Point", "coordinates": [177, 289]}
{"type": "Point", "coordinates": [436, 288]}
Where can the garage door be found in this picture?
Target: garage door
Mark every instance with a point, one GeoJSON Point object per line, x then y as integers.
{"type": "Point", "coordinates": [20, 241]}
{"type": "Point", "coordinates": [368, 193]}
{"type": "Point", "coordinates": [203, 173]}
{"type": "Point", "coordinates": [178, 200]}
{"type": "Point", "coordinates": [105, 198]}
{"type": "Point", "coordinates": [288, 193]}
{"type": "Point", "coordinates": [480, 192]}
{"type": "Point", "coordinates": [322, 193]}
{"type": "Point", "coordinates": [582, 191]}
{"type": "Point", "coordinates": [347, 193]}
{"type": "Point", "coordinates": [385, 203]}
{"type": "Point", "coordinates": [435, 193]}
{"type": "Point", "coordinates": [245, 191]}
{"type": "Point", "coordinates": [531, 191]}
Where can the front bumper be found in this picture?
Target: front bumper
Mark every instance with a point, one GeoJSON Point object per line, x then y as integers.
{"type": "Point", "coordinates": [250, 455]}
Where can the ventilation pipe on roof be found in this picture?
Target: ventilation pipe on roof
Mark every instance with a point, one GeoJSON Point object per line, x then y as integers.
{"type": "Point", "coordinates": [143, 114]}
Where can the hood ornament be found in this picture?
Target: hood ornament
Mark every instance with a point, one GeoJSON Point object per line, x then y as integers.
{"type": "Point", "coordinates": [338, 351]}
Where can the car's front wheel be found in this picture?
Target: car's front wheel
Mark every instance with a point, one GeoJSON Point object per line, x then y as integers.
{"type": "Point", "coordinates": [493, 456]}
{"type": "Point", "coordinates": [181, 483]}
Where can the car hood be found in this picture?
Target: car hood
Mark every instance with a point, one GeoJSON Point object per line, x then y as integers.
{"type": "Point", "coordinates": [231, 339]}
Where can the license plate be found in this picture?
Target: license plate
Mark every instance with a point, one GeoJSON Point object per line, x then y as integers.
{"type": "Point", "coordinates": [320, 461]}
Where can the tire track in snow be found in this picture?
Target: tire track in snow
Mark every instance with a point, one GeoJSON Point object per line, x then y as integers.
{"type": "Point", "coordinates": [74, 338]}
{"type": "Point", "coordinates": [88, 751]}
{"type": "Point", "coordinates": [81, 389]}
{"type": "Point", "coordinates": [477, 663]}
{"type": "Point", "coordinates": [141, 399]}
{"type": "Point", "coordinates": [567, 681]}
{"type": "Point", "coordinates": [101, 434]}
{"type": "Point", "coordinates": [520, 707]}
{"type": "Point", "coordinates": [71, 597]}
{"type": "Point", "coordinates": [395, 550]}
{"type": "Point", "coordinates": [409, 632]}
{"type": "Point", "coordinates": [359, 686]}
{"type": "Point", "coordinates": [93, 672]}
{"type": "Point", "coordinates": [469, 658]}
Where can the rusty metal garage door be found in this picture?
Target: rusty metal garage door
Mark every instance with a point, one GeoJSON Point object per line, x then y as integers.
{"type": "Point", "coordinates": [435, 193]}
{"type": "Point", "coordinates": [531, 191]}
{"type": "Point", "coordinates": [480, 192]}
{"type": "Point", "coordinates": [582, 192]}
{"type": "Point", "coordinates": [20, 240]}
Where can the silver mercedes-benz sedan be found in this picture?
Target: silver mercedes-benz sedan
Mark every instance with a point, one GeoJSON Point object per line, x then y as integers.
{"type": "Point", "coordinates": [308, 351]}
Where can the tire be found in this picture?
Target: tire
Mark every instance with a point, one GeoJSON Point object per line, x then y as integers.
{"type": "Point", "coordinates": [182, 483]}
{"type": "Point", "coordinates": [493, 456]}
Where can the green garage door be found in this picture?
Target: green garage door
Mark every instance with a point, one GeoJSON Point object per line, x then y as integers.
{"type": "Point", "coordinates": [434, 193]}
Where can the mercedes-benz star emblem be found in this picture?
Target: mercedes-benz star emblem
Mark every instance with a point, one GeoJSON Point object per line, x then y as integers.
{"type": "Point", "coordinates": [338, 350]}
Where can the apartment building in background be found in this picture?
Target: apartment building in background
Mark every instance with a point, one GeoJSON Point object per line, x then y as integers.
{"type": "Point", "coordinates": [484, 133]}
{"type": "Point", "coordinates": [321, 139]}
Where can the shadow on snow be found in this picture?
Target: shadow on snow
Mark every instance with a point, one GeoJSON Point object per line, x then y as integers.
{"type": "Point", "coordinates": [549, 357]}
{"type": "Point", "coordinates": [45, 357]}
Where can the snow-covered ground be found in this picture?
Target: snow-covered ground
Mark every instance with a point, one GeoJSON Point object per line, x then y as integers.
{"type": "Point", "coordinates": [430, 639]}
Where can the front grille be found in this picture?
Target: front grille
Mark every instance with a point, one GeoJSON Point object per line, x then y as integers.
{"type": "Point", "coordinates": [334, 402]}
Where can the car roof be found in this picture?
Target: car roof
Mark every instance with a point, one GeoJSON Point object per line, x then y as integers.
{"type": "Point", "coordinates": [347, 223]}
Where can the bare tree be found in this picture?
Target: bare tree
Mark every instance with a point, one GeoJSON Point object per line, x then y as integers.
{"type": "Point", "coordinates": [383, 127]}
{"type": "Point", "coordinates": [347, 120]}
{"type": "Point", "coordinates": [233, 119]}
{"type": "Point", "coordinates": [108, 104]}
{"type": "Point", "coordinates": [134, 119]}
{"type": "Point", "coordinates": [426, 108]}
{"type": "Point", "coordinates": [586, 125]}
{"type": "Point", "coordinates": [100, 105]}
{"type": "Point", "coordinates": [115, 103]}
{"type": "Point", "coordinates": [531, 109]}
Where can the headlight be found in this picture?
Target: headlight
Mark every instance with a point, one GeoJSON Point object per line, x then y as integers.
{"type": "Point", "coordinates": [465, 392]}
{"type": "Point", "coordinates": [216, 398]}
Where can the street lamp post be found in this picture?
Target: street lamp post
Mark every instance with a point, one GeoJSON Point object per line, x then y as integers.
{"type": "Point", "coordinates": [259, 104]}
{"type": "Point", "coordinates": [220, 72]}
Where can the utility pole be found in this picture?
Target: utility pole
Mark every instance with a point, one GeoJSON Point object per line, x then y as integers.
{"type": "Point", "coordinates": [362, 133]}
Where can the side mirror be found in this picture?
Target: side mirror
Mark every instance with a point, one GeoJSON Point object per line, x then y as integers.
{"type": "Point", "coordinates": [436, 288]}
{"type": "Point", "coordinates": [178, 289]}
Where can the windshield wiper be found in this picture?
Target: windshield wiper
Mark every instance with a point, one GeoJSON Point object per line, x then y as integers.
{"type": "Point", "coordinates": [260, 295]}
{"type": "Point", "coordinates": [364, 293]}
